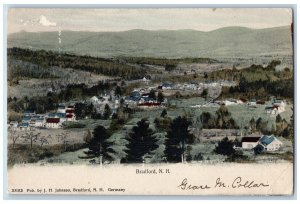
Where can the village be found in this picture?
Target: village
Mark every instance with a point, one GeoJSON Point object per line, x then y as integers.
{"type": "Point", "coordinates": [151, 96]}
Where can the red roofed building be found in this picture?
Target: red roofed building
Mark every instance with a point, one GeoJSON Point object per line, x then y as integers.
{"type": "Point", "coordinates": [70, 117]}
{"type": "Point", "coordinates": [69, 111]}
{"type": "Point", "coordinates": [249, 142]}
{"type": "Point", "coordinates": [53, 123]}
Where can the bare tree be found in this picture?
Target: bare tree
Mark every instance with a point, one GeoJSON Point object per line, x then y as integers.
{"type": "Point", "coordinates": [14, 136]}
{"type": "Point", "coordinates": [43, 140]}
{"type": "Point", "coordinates": [32, 137]}
{"type": "Point", "coordinates": [63, 138]}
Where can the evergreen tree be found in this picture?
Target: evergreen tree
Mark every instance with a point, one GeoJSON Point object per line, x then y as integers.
{"type": "Point", "coordinates": [204, 93]}
{"type": "Point", "coordinates": [160, 97]}
{"type": "Point", "coordinates": [163, 113]}
{"type": "Point", "coordinates": [140, 142]}
{"type": "Point", "coordinates": [177, 138]}
{"type": "Point", "coordinates": [225, 147]}
{"type": "Point", "coordinates": [99, 144]}
{"type": "Point", "coordinates": [278, 118]}
{"type": "Point", "coordinates": [118, 91]}
{"type": "Point", "coordinates": [107, 112]}
{"type": "Point", "coordinates": [152, 94]}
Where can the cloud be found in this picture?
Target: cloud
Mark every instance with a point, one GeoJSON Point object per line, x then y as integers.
{"type": "Point", "coordinates": [45, 22]}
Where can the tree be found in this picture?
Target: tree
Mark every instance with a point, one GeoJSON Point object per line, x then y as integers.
{"type": "Point", "coordinates": [14, 136]}
{"type": "Point", "coordinates": [204, 93]}
{"type": "Point", "coordinates": [32, 137]}
{"type": "Point", "coordinates": [252, 125]}
{"type": "Point", "coordinates": [141, 141]}
{"type": "Point", "coordinates": [99, 145]}
{"type": "Point", "coordinates": [118, 91]}
{"type": "Point", "coordinates": [63, 138]}
{"type": "Point", "coordinates": [207, 120]}
{"type": "Point", "coordinates": [43, 140]}
{"type": "Point", "coordinates": [177, 137]}
{"type": "Point", "coordinates": [163, 113]}
{"type": "Point", "coordinates": [152, 94]}
{"type": "Point", "coordinates": [107, 112]}
{"type": "Point", "coordinates": [198, 126]}
{"type": "Point", "coordinates": [243, 84]}
{"type": "Point", "coordinates": [162, 124]}
{"type": "Point", "coordinates": [225, 147]}
{"type": "Point", "coordinates": [160, 97]}
{"type": "Point", "coordinates": [278, 118]}
{"type": "Point", "coordinates": [224, 118]}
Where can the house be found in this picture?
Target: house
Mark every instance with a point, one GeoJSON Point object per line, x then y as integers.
{"type": "Point", "coordinates": [274, 110]}
{"type": "Point", "coordinates": [167, 85]}
{"type": "Point", "coordinates": [95, 100]}
{"type": "Point", "coordinates": [146, 78]}
{"type": "Point", "coordinates": [279, 102]}
{"type": "Point", "coordinates": [24, 126]}
{"type": "Point", "coordinates": [270, 143]}
{"type": "Point", "coordinates": [249, 142]}
{"type": "Point", "coordinates": [105, 100]}
{"type": "Point", "coordinates": [26, 119]}
{"type": "Point", "coordinates": [29, 113]}
{"type": "Point", "coordinates": [252, 103]}
{"type": "Point", "coordinates": [13, 124]}
{"type": "Point", "coordinates": [231, 102]}
{"type": "Point", "coordinates": [32, 124]}
{"type": "Point", "coordinates": [61, 109]}
{"type": "Point", "coordinates": [134, 96]}
{"type": "Point", "coordinates": [53, 123]}
{"type": "Point", "coordinates": [62, 116]}
{"type": "Point", "coordinates": [70, 117]}
{"type": "Point", "coordinates": [40, 122]}
{"type": "Point", "coordinates": [269, 109]}
{"type": "Point", "coordinates": [260, 102]}
{"type": "Point", "coordinates": [70, 108]}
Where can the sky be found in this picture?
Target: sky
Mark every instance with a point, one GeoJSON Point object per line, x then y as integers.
{"type": "Point", "coordinates": [203, 19]}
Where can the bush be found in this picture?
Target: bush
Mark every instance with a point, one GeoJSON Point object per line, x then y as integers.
{"type": "Point", "coordinates": [225, 147]}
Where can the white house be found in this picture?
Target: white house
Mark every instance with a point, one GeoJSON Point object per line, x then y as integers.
{"type": "Point", "coordinates": [95, 100]}
{"type": "Point", "coordinates": [40, 122]}
{"type": "Point", "coordinates": [252, 103]}
{"type": "Point", "coordinates": [61, 109]}
{"type": "Point", "coordinates": [249, 142]}
{"type": "Point", "coordinates": [13, 124]}
{"type": "Point", "coordinates": [270, 143]}
{"type": "Point", "coordinates": [279, 102]}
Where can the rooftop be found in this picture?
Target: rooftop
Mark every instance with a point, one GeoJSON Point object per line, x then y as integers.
{"type": "Point", "coordinates": [267, 139]}
{"type": "Point", "coordinates": [250, 139]}
{"type": "Point", "coordinates": [53, 120]}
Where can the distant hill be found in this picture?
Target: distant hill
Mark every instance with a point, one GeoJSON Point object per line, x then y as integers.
{"type": "Point", "coordinates": [224, 42]}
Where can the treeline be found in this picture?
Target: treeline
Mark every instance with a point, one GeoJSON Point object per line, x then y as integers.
{"type": "Point", "coordinates": [20, 70]}
{"type": "Point", "coordinates": [252, 73]}
{"type": "Point", "coordinates": [86, 63]}
{"type": "Point", "coordinates": [260, 89]}
{"type": "Point", "coordinates": [166, 61]}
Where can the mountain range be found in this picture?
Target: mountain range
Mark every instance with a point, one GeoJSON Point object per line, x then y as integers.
{"type": "Point", "coordinates": [223, 42]}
